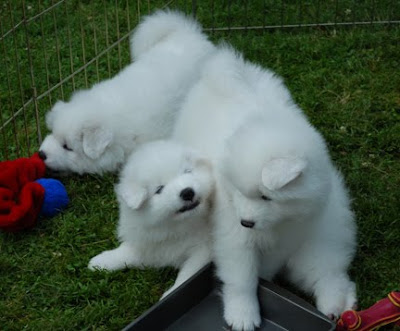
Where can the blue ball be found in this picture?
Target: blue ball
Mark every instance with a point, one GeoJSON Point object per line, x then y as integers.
{"type": "Point", "coordinates": [55, 197]}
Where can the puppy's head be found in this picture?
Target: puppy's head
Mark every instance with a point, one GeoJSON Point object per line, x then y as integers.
{"type": "Point", "coordinates": [163, 181]}
{"type": "Point", "coordinates": [277, 173]}
{"type": "Point", "coordinates": [80, 141]}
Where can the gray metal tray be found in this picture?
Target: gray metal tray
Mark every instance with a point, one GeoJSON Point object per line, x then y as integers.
{"type": "Point", "coordinates": [196, 306]}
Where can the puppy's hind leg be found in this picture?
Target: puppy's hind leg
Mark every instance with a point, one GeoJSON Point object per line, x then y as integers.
{"type": "Point", "coordinates": [193, 264]}
{"type": "Point", "coordinates": [335, 294]}
{"type": "Point", "coordinates": [323, 273]}
{"type": "Point", "coordinates": [121, 257]}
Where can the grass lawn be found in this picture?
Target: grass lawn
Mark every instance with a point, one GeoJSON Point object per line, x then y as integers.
{"type": "Point", "coordinates": [346, 80]}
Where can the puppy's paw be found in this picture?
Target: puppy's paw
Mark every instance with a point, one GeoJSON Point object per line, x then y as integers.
{"type": "Point", "coordinates": [242, 314]}
{"type": "Point", "coordinates": [107, 261]}
{"type": "Point", "coordinates": [336, 300]}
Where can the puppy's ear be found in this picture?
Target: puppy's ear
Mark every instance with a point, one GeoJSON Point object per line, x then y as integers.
{"type": "Point", "coordinates": [95, 140]}
{"type": "Point", "coordinates": [279, 172]}
{"type": "Point", "coordinates": [133, 195]}
{"type": "Point", "coordinates": [50, 116]}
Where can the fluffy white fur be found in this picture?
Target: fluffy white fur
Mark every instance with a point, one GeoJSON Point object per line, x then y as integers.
{"type": "Point", "coordinates": [98, 128]}
{"type": "Point", "coordinates": [280, 202]}
{"type": "Point", "coordinates": [165, 194]}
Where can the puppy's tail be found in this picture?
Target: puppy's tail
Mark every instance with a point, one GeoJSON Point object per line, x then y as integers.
{"type": "Point", "coordinates": [159, 26]}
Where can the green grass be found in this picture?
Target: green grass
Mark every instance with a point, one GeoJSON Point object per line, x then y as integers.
{"type": "Point", "coordinates": [346, 80]}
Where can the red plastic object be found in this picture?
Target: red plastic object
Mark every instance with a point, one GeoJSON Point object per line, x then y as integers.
{"type": "Point", "coordinates": [20, 197]}
{"type": "Point", "coordinates": [383, 312]}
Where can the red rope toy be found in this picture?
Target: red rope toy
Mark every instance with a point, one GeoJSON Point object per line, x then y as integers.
{"type": "Point", "coordinates": [24, 194]}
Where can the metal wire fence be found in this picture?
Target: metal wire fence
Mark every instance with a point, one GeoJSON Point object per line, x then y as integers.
{"type": "Point", "coordinates": [50, 48]}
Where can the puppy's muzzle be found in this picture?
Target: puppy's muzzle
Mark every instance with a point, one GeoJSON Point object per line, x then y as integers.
{"type": "Point", "coordinates": [247, 224]}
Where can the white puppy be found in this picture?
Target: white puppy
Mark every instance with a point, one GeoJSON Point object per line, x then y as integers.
{"type": "Point", "coordinates": [98, 128]}
{"type": "Point", "coordinates": [280, 202]}
{"type": "Point", "coordinates": [165, 194]}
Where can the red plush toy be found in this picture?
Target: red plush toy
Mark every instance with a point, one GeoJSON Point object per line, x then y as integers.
{"type": "Point", "coordinates": [383, 312]}
{"type": "Point", "coordinates": [22, 198]}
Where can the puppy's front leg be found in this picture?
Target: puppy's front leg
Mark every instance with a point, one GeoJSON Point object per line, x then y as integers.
{"type": "Point", "coordinates": [193, 264]}
{"type": "Point", "coordinates": [119, 258]}
{"type": "Point", "coordinates": [237, 267]}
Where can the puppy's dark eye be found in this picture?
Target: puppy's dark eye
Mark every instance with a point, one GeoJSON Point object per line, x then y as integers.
{"type": "Point", "coordinates": [159, 189]}
{"type": "Point", "coordinates": [264, 197]}
{"type": "Point", "coordinates": [65, 146]}
{"type": "Point", "coordinates": [187, 171]}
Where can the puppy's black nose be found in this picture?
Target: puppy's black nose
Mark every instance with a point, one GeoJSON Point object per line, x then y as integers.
{"type": "Point", "coordinates": [42, 155]}
{"type": "Point", "coordinates": [247, 224]}
{"type": "Point", "coordinates": [187, 194]}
